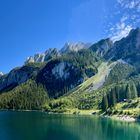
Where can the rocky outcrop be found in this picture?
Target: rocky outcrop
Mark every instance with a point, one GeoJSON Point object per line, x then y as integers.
{"type": "Point", "coordinates": [43, 57]}
{"type": "Point", "coordinates": [53, 52]}
{"type": "Point", "coordinates": [126, 47]}
{"type": "Point", "coordinates": [74, 47]}
{"type": "Point", "coordinates": [16, 77]}
{"type": "Point", "coordinates": [102, 47]}
{"type": "Point", "coordinates": [60, 71]}
{"type": "Point", "coordinates": [59, 77]}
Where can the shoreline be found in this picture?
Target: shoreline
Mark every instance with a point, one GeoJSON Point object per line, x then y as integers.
{"type": "Point", "coordinates": [124, 118]}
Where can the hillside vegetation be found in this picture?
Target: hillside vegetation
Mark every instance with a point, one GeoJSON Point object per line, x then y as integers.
{"type": "Point", "coordinates": [103, 78]}
{"type": "Point", "coordinates": [27, 96]}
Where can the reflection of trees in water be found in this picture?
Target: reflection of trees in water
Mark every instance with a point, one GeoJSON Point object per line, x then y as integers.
{"type": "Point", "coordinates": [40, 126]}
{"type": "Point", "coordinates": [95, 128]}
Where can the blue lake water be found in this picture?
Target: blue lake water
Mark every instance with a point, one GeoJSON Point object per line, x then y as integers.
{"type": "Point", "coordinates": [41, 126]}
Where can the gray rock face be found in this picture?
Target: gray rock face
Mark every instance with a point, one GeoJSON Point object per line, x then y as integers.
{"type": "Point", "coordinates": [60, 70]}
{"type": "Point", "coordinates": [75, 47]}
{"type": "Point", "coordinates": [59, 77]}
{"type": "Point", "coordinates": [53, 52]}
{"type": "Point", "coordinates": [102, 47]}
{"type": "Point", "coordinates": [43, 57]}
{"type": "Point", "coordinates": [16, 77]}
{"type": "Point", "coordinates": [127, 48]}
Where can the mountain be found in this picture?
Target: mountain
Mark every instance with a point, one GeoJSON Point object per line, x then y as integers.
{"type": "Point", "coordinates": [74, 47]}
{"type": "Point", "coordinates": [1, 74]}
{"type": "Point", "coordinates": [102, 77]}
{"type": "Point", "coordinates": [18, 75]}
{"type": "Point", "coordinates": [68, 71]}
{"type": "Point", "coordinates": [127, 49]}
{"type": "Point", "coordinates": [102, 47]}
{"type": "Point", "coordinates": [43, 57]}
{"type": "Point", "coordinates": [53, 52]}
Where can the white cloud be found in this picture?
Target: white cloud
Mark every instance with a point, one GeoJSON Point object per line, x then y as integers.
{"type": "Point", "coordinates": [133, 17]}
{"type": "Point", "coordinates": [121, 33]}
{"type": "Point", "coordinates": [124, 18]}
{"type": "Point", "coordinates": [132, 5]}
{"type": "Point", "coordinates": [129, 4]}
{"type": "Point", "coordinates": [130, 18]}
{"type": "Point", "coordinates": [120, 30]}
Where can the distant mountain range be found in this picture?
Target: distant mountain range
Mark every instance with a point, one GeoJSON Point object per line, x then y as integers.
{"type": "Point", "coordinates": [103, 77]}
{"type": "Point", "coordinates": [53, 52]}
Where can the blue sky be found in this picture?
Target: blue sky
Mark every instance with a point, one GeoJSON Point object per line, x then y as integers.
{"type": "Point", "coordinates": [31, 26]}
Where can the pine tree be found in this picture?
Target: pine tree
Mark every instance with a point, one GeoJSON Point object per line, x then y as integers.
{"type": "Point", "coordinates": [128, 92]}
{"type": "Point", "coordinates": [134, 91]}
{"type": "Point", "coordinates": [123, 92]}
{"type": "Point", "coordinates": [117, 90]}
{"type": "Point", "coordinates": [113, 97]}
{"type": "Point", "coordinates": [138, 89]}
{"type": "Point", "coordinates": [105, 103]}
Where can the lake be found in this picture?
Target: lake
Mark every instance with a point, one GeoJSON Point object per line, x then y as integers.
{"type": "Point", "coordinates": [41, 126]}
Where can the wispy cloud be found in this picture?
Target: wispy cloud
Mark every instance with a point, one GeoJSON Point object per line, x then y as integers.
{"type": "Point", "coordinates": [129, 18]}
{"type": "Point", "coordinates": [122, 32]}
{"type": "Point", "coordinates": [129, 4]}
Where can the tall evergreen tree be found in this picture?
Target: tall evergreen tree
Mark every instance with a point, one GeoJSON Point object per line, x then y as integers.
{"type": "Point", "coordinates": [117, 90]}
{"type": "Point", "coordinates": [138, 89]}
{"type": "Point", "coordinates": [134, 91]}
{"type": "Point", "coordinates": [105, 103]}
{"type": "Point", "coordinates": [123, 92]}
{"type": "Point", "coordinates": [128, 92]}
{"type": "Point", "coordinates": [113, 97]}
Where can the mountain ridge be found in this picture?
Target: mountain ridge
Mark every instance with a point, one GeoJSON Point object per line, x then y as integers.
{"type": "Point", "coordinates": [96, 76]}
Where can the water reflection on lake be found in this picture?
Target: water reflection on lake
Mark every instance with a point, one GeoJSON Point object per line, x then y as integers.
{"type": "Point", "coordinates": [41, 126]}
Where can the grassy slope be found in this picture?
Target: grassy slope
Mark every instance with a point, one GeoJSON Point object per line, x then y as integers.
{"type": "Point", "coordinates": [84, 98]}
{"type": "Point", "coordinates": [95, 82]}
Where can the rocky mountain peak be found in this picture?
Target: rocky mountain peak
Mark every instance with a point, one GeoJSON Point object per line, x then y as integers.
{"type": "Point", "coordinates": [1, 74]}
{"type": "Point", "coordinates": [127, 48]}
{"type": "Point", "coordinates": [54, 52]}
{"type": "Point", "coordinates": [134, 32]}
{"type": "Point", "coordinates": [50, 51]}
{"type": "Point", "coordinates": [43, 57]}
{"type": "Point", "coordinates": [102, 47]}
{"type": "Point", "coordinates": [75, 47]}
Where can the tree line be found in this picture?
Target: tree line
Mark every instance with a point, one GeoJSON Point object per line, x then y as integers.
{"type": "Point", "coordinates": [119, 93]}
